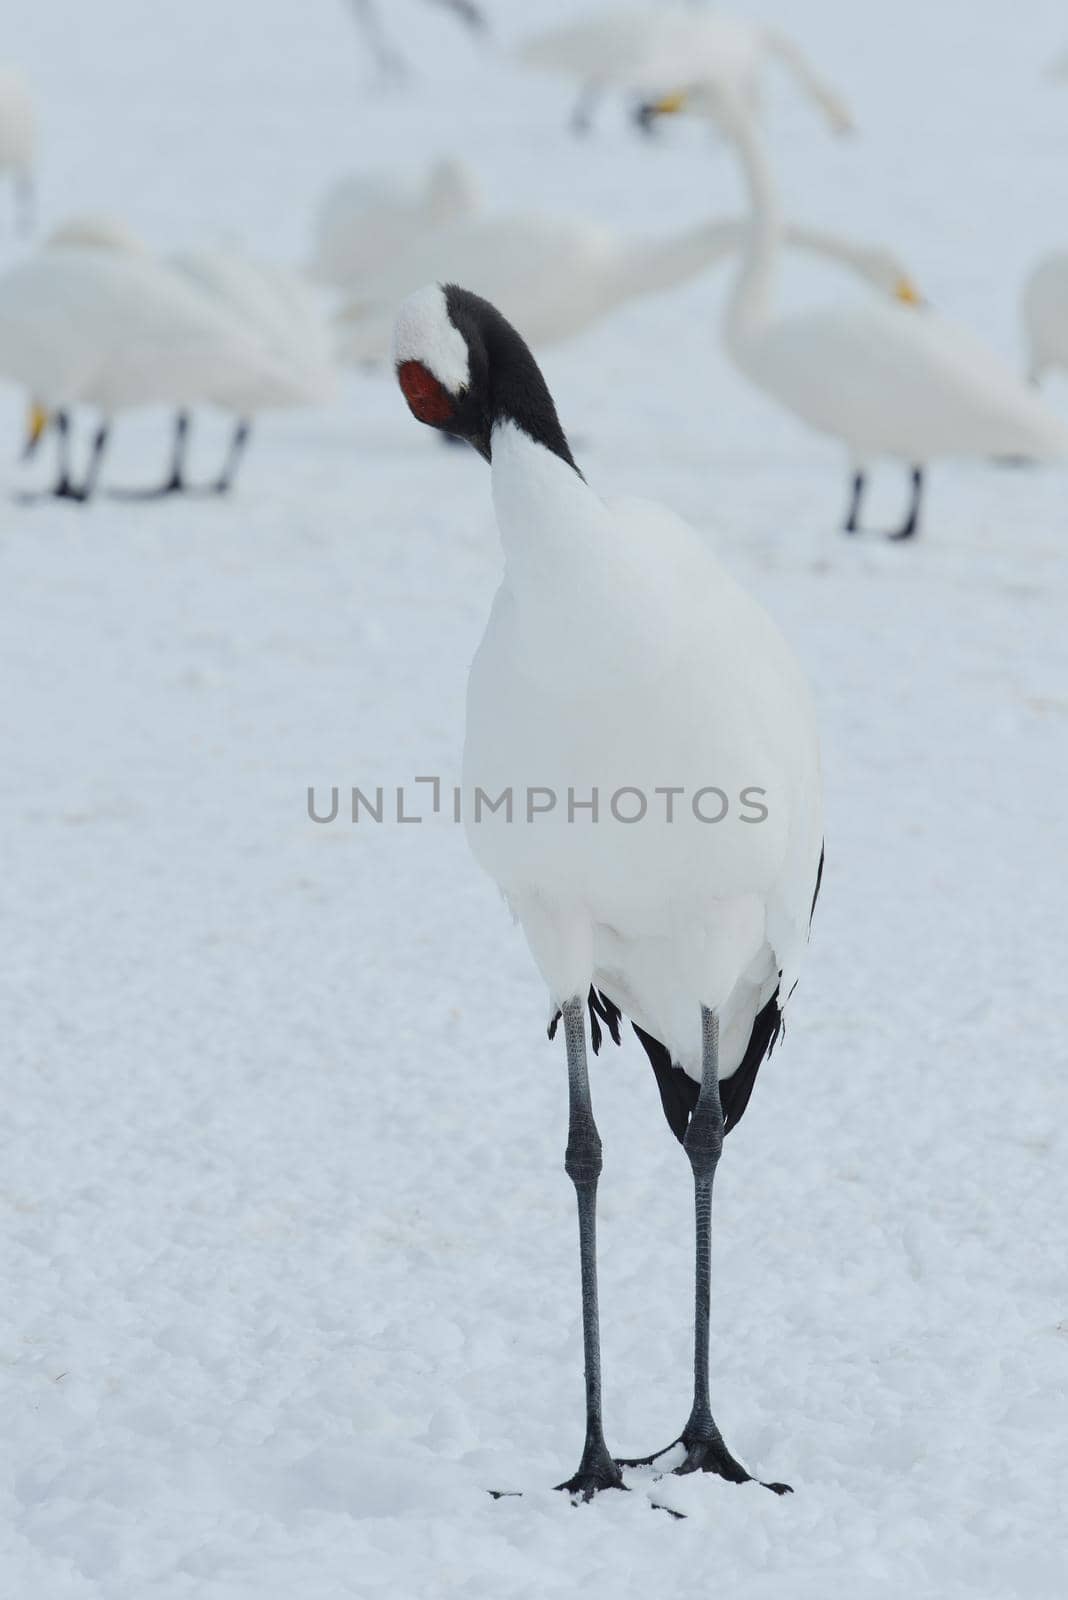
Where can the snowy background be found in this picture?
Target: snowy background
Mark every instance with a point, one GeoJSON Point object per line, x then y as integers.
{"type": "Point", "coordinates": [288, 1267]}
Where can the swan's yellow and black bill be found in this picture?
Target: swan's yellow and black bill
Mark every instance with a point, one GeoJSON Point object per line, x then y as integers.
{"type": "Point", "coordinates": [36, 423]}
{"type": "Point", "coordinates": [667, 105]}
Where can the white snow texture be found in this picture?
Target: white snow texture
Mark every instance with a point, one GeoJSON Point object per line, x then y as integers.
{"type": "Point", "coordinates": [289, 1266]}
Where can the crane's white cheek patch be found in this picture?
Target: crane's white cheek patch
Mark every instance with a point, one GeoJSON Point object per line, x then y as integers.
{"type": "Point", "coordinates": [427, 399]}
{"type": "Point", "coordinates": [424, 332]}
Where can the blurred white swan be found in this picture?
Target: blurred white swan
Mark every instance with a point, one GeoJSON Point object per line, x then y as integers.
{"type": "Point", "coordinates": [556, 276]}
{"type": "Point", "coordinates": [1057, 71]}
{"type": "Point", "coordinates": [18, 141]}
{"type": "Point", "coordinates": [283, 314]}
{"type": "Point", "coordinates": [94, 319]}
{"type": "Point", "coordinates": [650, 49]}
{"type": "Point", "coordinates": [367, 219]}
{"type": "Point", "coordinates": [885, 381]}
{"type": "Point", "coordinates": [1045, 315]}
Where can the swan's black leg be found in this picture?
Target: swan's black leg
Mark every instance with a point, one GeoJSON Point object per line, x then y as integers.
{"type": "Point", "coordinates": [467, 12]}
{"type": "Point", "coordinates": [582, 1164]}
{"type": "Point", "coordinates": [64, 489]}
{"type": "Point", "coordinates": [852, 521]}
{"type": "Point", "coordinates": [643, 115]}
{"type": "Point", "coordinates": [174, 482]}
{"type": "Point", "coordinates": [25, 204]}
{"type": "Point", "coordinates": [391, 64]}
{"type": "Point", "coordinates": [700, 1438]}
{"type": "Point", "coordinates": [589, 99]}
{"type": "Point", "coordinates": [910, 526]}
{"type": "Point", "coordinates": [96, 456]}
{"type": "Point", "coordinates": [224, 481]}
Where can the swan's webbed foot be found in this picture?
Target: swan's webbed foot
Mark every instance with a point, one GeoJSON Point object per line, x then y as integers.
{"type": "Point", "coordinates": [63, 490]}
{"type": "Point", "coordinates": [175, 484]}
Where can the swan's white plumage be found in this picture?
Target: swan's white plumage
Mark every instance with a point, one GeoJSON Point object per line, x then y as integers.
{"type": "Point", "coordinates": [1045, 314]}
{"type": "Point", "coordinates": [556, 276]}
{"type": "Point", "coordinates": [281, 312]}
{"type": "Point", "coordinates": [262, 301]}
{"type": "Point", "coordinates": [17, 125]}
{"type": "Point", "coordinates": [368, 219]}
{"type": "Point", "coordinates": [114, 328]}
{"type": "Point", "coordinates": [891, 382]}
{"type": "Point", "coordinates": [651, 49]}
{"type": "Point", "coordinates": [883, 379]}
{"type": "Point", "coordinates": [620, 654]}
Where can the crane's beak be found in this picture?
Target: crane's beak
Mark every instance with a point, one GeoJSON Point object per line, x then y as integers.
{"type": "Point", "coordinates": [36, 425]}
{"type": "Point", "coordinates": [906, 291]}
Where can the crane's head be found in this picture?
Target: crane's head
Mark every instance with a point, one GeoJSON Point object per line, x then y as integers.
{"type": "Point", "coordinates": [463, 369]}
{"type": "Point", "coordinates": [441, 365]}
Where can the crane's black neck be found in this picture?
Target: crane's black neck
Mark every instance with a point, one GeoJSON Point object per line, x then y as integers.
{"type": "Point", "coordinates": [505, 382]}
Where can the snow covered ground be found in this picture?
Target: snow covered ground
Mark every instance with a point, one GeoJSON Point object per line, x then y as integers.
{"type": "Point", "coordinates": [288, 1266]}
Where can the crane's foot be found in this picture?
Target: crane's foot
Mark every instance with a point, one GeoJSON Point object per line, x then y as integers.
{"type": "Point", "coordinates": [584, 1485]}
{"type": "Point", "coordinates": [705, 1451]}
{"type": "Point", "coordinates": [596, 1471]}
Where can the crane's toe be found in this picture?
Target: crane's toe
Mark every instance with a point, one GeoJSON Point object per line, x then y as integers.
{"type": "Point", "coordinates": [591, 1479]}
{"type": "Point", "coordinates": [712, 1455]}
{"type": "Point", "coordinates": [705, 1452]}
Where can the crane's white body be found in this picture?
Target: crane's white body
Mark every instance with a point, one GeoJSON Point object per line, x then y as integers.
{"type": "Point", "coordinates": [620, 655]}
{"type": "Point", "coordinates": [885, 380]}
{"type": "Point", "coordinates": [556, 276]}
{"type": "Point", "coordinates": [650, 49]}
{"type": "Point", "coordinates": [1045, 314]}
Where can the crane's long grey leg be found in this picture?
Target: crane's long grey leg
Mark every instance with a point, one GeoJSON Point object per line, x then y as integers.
{"type": "Point", "coordinates": [852, 521]}
{"type": "Point", "coordinates": [701, 1438]}
{"type": "Point", "coordinates": [582, 1163]}
{"type": "Point", "coordinates": [703, 1144]}
{"type": "Point", "coordinates": [910, 526]}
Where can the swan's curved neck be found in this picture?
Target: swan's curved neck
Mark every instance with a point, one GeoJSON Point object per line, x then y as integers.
{"type": "Point", "coordinates": [751, 297]}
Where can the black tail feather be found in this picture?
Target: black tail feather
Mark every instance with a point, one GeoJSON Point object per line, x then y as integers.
{"type": "Point", "coordinates": [678, 1091]}
{"type": "Point", "coordinates": [601, 1010]}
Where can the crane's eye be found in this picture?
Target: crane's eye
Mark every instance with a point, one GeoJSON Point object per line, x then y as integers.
{"type": "Point", "coordinates": [427, 399]}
